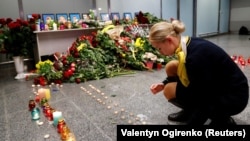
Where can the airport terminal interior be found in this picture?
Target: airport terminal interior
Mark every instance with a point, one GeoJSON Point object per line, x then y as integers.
{"type": "Point", "coordinates": [93, 109]}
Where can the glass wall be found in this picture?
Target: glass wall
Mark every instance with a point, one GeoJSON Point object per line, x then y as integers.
{"type": "Point", "coordinates": [169, 9]}
{"type": "Point", "coordinates": [207, 17]}
{"type": "Point", "coordinates": [224, 16]}
{"type": "Point", "coordinates": [186, 15]}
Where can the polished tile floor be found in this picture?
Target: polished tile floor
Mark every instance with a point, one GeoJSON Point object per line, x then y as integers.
{"type": "Point", "coordinates": [94, 108]}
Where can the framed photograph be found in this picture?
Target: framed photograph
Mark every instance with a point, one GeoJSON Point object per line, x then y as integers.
{"type": "Point", "coordinates": [85, 16]}
{"type": "Point", "coordinates": [104, 16]}
{"type": "Point", "coordinates": [127, 16]}
{"type": "Point", "coordinates": [115, 16]}
{"type": "Point", "coordinates": [61, 17]}
{"type": "Point", "coordinates": [48, 17]}
{"type": "Point", "coordinates": [74, 17]}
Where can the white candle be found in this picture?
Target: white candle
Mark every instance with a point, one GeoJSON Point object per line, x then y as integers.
{"type": "Point", "coordinates": [41, 92]}
{"type": "Point", "coordinates": [47, 94]}
{"type": "Point", "coordinates": [56, 116]}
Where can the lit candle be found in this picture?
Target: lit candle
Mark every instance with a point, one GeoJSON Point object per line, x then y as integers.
{"type": "Point", "coordinates": [56, 116]}
{"type": "Point", "coordinates": [71, 137]}
{"type": "Point", "coordinates": [122, 117]}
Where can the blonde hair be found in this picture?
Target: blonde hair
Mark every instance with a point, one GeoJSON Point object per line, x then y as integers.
{"type": "Point", "coordinates": [159, 31]}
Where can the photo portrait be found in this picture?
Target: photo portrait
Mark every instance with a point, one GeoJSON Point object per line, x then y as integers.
{"type": "Point", "coordinates": [62, 17]}
{"type": "Point", "coordinates": [47, 18]}
{"type": "Point", "coordinates": [74, 17]}
{"type": "Point", "coordinates": [104, 16]}
{"type": "Point", "coordinates": [127, 16]}
{"type": "Point", "coordinates": [115, 16]}
{"type": "Point", "coordinates": [85, 16]}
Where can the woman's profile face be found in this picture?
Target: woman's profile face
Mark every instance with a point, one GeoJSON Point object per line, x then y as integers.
{"type": "Point", "coordinates": [164, 47]}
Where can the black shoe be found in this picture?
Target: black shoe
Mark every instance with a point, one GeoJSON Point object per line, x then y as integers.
{"type": "Point", "coordinates": [227, 121]}
{"type": "Point", "coordinates": [181, 116]}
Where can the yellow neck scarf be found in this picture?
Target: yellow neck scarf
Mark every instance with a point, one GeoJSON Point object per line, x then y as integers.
{"type": "Point", "coordinates": [181, 70]}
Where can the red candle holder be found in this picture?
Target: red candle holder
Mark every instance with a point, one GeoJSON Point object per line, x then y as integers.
{"type": "Point", "coordinates": [159, 66]}
{"type": "Point", "coordinates": [149, 64]}
{"type": "Point", "coordinates": [48, 114]}
{"type": "Point", "coordinates": [243, 62]}
{"type": "Point", "coordinates": [44, 107]}
{"type": "Point", "coordinates": [65, 133]}
{"type": "Point", "coordinates": [60, 125]}
{"type": "Point", "coordinates": [37, 98]}
{"type": "Point", "coordinates": [248, 60]}
{"type": "Point", "coordinates": [32, 105]}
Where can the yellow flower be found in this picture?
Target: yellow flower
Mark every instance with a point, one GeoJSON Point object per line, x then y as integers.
{"type": "Point", "coordinates": [49, 62]}
{"type": "Point", "coordinates": [38, 65]}
{"type": "Point", "coordinates": [41, 64]}
{"type": "Point", "coordinates": [108, 27]}
{"type": "Point", "coordinates": [139, 43]}
{"type": "Point", "coordinates": [81, 46]}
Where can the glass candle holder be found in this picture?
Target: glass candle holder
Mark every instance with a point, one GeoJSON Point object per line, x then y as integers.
{"type": "Point", "coordinates": [49, 114]}
{"type": "Point", "coordinates": [43, 100]}
{"type": "Point", "coordinates": [32, 105]}
{"type": "Point", "coordinates": [61, 26]}
{"type": "Point", "coordinates": [42, 26]}
{"type": "Point", "coordinates": [37, 98]}
{"type": "Point", "coordinates": [56, 116]}
{"type": "Point", "coordinates": [44, 106]}
{"type": "Point", "coordinates": [60, 125]}
{"type": "Point", "coordinates": [65, 133]}
{"type": "Point", "coordinates": [47, 111]}
{"type": "Point", "coordinates": [35, 114]}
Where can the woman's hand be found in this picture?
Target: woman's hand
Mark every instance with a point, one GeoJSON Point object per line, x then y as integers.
{"type": "Point", "coordinates": [155, 88]}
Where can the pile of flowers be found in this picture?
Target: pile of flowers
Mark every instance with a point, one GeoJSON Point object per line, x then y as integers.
{"type": "Point", "coordinates": [114, 50]}
{"type": "Point", "coordinates": [100, 55]}
{"type": "Point", "coordinates": [17, 36]}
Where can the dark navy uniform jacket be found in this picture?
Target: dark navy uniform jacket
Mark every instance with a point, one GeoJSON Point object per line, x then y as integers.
{"type": "Point", "coordinates": [216, 81]}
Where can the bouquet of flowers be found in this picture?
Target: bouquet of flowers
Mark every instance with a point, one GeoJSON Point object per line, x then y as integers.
{"type": "Point", "coordinates": [17, 36]}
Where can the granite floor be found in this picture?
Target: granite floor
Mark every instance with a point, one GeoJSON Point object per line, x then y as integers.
{"type": "Point", "coordinates": [94, 108]}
